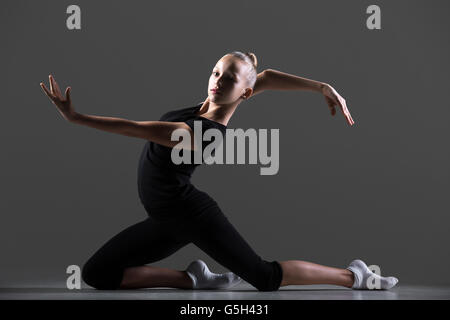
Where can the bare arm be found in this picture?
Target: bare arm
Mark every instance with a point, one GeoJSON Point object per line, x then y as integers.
{"type": "Point", "coordinates": [278, 80]}
{"type": "Point", "coordinates": [156, 131]}
{"type": "Point", "coordinates": [271, 79]}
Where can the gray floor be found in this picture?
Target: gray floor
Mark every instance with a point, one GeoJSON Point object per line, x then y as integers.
{"type": "Point", "coordinates": [242, 291]}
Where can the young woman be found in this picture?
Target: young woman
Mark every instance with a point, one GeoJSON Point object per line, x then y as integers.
{"type": "Point", "coordinates": [179, 213]}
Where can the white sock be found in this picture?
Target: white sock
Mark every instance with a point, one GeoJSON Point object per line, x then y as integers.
{"type": "Point", "coordinates": [362, 273]}
{"type": "Point", "coordinates": [202, 278]}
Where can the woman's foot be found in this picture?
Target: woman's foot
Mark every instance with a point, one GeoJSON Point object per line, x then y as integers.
{"type": "Point", "coordinates": [362, 273]}
{"type": "Point", "coordinates": [202, 278]}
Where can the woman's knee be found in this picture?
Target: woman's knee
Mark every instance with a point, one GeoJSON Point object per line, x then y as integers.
{"type": "Point", "coordinates": [101, 278]}
{"type": "Point", "coordinates": [272, 277]}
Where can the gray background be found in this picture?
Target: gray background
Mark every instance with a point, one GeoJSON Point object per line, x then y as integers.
{"type": "Point", "coordinates": [377, 191]}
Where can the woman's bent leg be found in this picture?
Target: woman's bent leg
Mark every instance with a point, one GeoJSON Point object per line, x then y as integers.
{"type": "Point", "coordinates": [120, 262]}
{"type": "Point", "coordinates": [151, 277]}
{"type": "Point", "coordinates": [215, 235]}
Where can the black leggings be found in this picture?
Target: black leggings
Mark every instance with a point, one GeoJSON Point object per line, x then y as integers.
{"type": "Point", "coordinates": [151, 240]}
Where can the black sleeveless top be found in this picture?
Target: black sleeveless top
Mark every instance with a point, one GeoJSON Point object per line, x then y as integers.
{"type": "Point", "coordinates": [164, 187]}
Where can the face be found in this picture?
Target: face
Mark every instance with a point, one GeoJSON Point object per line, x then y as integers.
{"type": "Point", "coordinates": [229, 76]}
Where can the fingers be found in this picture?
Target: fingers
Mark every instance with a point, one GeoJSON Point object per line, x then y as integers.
{"type": "Point", "coordinates": [57, 87]}
{"type": "Point", "coordinates": [52, 89]}
{"type": "Point", "coordinates": [334, 99]}
{"type": "Point", "coordinates": [343, 106]}
{"type": "Point", "coordinates": [57, 91]}
{"type": "Point", "coordinates": [350, 120]}
{"type": "Point", "coordinates": [48, 93]}
{"type": "Point", "coordinates": [68, 94]}
{"type": "Point", "coordinates": [349, 117]}
{"type": "Point", "coordinates": [331, 104]}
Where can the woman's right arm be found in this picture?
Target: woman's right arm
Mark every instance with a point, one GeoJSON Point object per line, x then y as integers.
{"type": "Point", "coordinates": [157, 131]}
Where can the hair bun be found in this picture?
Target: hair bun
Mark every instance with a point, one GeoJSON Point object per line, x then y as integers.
{"type": "Point", "coordinates": [253, 58]}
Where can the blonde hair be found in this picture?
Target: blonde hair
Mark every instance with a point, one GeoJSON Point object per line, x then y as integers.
{"type": "Point", "coordinates": [250, 58]}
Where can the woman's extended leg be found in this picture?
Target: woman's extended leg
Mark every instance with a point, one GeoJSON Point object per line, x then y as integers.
{"type": "Point", "coordinates": [121, 262]}
{"type": "Point", "coordinates": [215, 235]}
{"type": "Point", "coordinates": [297, 272]}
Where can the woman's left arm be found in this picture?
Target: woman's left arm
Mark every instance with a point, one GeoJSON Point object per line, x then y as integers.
{"type": "Point", "coordinates": [271, 79]}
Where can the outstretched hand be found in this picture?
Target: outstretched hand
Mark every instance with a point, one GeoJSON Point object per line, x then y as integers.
{"type": "Point", "coordinates": [333, 98]}
{"type": "Point", "coordinates": [64, 104]}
